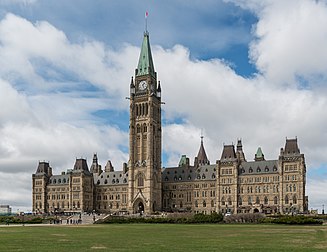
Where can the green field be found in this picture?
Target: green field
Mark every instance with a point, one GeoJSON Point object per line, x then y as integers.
{"type": "Point", "coordinates": [164, 237]}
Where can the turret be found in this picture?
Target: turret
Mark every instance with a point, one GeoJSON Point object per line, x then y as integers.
{"type": "Point", "coordinates": [202, 158]}
{"type": "Point", "coordinates": [259, 156]}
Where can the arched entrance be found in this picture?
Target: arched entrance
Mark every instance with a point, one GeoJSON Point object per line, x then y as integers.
{"type": "Point", "coordinates": [256, 210]}
{"type": "Point", "coordinates": [139, 207]}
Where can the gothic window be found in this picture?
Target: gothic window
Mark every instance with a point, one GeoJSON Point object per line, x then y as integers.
{"type": "Point", "coordinates": [204, 203]}
{"type": "Point", "coordinates": [294, 199]}
{"type": "Point", "coordinates": [140, 180]}
{"type": "Point", "coordinates": [266, 201]}
{"type": "Point", "coordinates": [275, 200]}
{"type": "Point", "coordinates": [145, 128]}
{"type": "Point", "coordinates": [212, 203]}
{"type": "Point", "coordinates": [196, 203]}
{"type": "Point", "coordinates": [138, 128]}
{"type": "Point", "coordinates": [257, 200]}
{"type": "Point", "coordinates": [223, 200]}
{"type": "Point", "coordinates": [229, 201]}
{"type": "Point", "coordinates": [240, 201]}
{"type": "Point", "coordinates": [286, 199]}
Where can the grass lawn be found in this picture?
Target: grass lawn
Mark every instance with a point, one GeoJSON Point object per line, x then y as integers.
{"type": "Point", "coordinates": [163, 237]}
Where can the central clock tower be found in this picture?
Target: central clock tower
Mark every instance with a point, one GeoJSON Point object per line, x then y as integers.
{"type": "Point", "coordinates": [144, 184]}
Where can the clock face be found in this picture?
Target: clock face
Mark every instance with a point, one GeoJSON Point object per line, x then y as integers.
{"type": "Point", "coordinates": [142, 85]}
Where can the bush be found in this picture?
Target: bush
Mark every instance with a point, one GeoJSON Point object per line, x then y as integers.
{"type": "Point", "coordinates": [245, 218]}
{"type": "Point", "coordinates": [296, 220]}
{"type": "Point", "coordinates": [197, 218]}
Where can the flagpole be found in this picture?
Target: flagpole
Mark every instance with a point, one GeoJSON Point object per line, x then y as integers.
{"type": "Point", "coordinates": [146, 21]}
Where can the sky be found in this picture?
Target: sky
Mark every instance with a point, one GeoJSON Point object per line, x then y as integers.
{"type": "Point", "coordinates": [231, 69]}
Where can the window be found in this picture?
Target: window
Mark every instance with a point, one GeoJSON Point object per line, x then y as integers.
{"type": "Point", "coordinates": [266, 201]}
{"type": "Point", "coordinates": [196, 203]}
{"type": "Point", "coordinates": [204, 203]}
{"type": "Point", "coordinates": [249, 200]}
{"type": "Point", "coordinates": [223, 200]}
{"type": "Point", "coordinates": [212, 203]}
{"type": "Point", "coordinates": [240, 201]}
{"type": "Point", "coordinates": [258, 169]}
{"type": "Point", "coordinates": [294, 199]}
{"type": "Point", "coordinates": [257, 200]}
{"type": "Point", "coordinates": [229, 201]}
{"type": "Point", "coordinates": [286, 200]}
{"type": "Point", "coordinates": [140, 180]}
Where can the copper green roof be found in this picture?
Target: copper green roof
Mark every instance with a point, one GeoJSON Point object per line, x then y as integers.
{"type": "Point", "coordinates": [145, 65]}
{"type": "Point", "coordinates": [259, 153]}
{"type": "Point", "coordinates": [183, 161]}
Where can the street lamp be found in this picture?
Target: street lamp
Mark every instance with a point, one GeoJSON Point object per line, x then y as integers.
{"type": "Point", "coordinates": [323, 210]}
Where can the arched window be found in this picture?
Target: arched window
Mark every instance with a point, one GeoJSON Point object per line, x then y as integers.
{"type": "Point", "coordinates": [212, 203]}
{"type": "Point", "coordinates": [266, 201]}
{"type": "Point", "coordinates": [223, 200]}
{"type": "Point", "coordinates": [140, 180]}
{"type": "Point", "coordinates": [286, 199]}
{"type": "Point", "coordinates": [257, 200]}
{"type": "Point", "coordinates": [240, 201]}
{"type": "Point", "coordinates": [249, 200]}
{"type": "Point", "coordinates": [145, 128]}
{"type": "Point", "coordinates": [146, 109]}
{"type": "Point", "coordinates": [138, 128]}
{"type": "Point", "coordinates": [294, 199]}
{"type": "Point", "coordinates": [294, 188]}
{"type": "Point", "coordinates": [258, 169]}
{"type": "Point", "coordinates": [196, 203]}
{"type": "Point", "coordinates": [229, 201]}
{"type": "Point", "coordinates": [204, 203]}
{"type": "Point", "coordinates": [181, 204]}
{"type": "Point", "coordinates": [275, 200]}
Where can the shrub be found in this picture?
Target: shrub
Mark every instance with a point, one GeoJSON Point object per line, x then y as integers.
{"type": "Point", "coordinates": [296, 220]}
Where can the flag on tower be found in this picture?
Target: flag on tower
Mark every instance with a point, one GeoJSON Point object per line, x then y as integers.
{"type": "Point", "coordinates": [146, 14]}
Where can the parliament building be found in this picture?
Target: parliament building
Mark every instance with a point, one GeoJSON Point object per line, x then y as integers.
{"type": "Point", "coordinates": [230, 185]}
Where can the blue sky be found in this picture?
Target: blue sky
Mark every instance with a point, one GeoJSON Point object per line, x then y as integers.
{"type": "Point", "coordinates": [233, 69]}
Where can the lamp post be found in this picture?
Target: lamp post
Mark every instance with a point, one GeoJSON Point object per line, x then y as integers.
{"type": "Point", "coordinates": [323, 210]}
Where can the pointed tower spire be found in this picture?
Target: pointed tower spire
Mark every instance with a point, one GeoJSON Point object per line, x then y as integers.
{"type": "Point", "coordinates": [239, 149]}
{"type": "Point", "coordinates": [145, 65]}
{"type": "Point", "coordinates": [259, 155]}
{"type": "Point", "coordinates": [109, 167]}
{"type": "Point", "coordinates": [202, 158]}
{"type": "Point", "coordinates": [95, 167]}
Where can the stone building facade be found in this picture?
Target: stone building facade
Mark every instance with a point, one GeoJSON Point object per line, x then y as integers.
{"type": "Point", "coordinates": [231, 185]}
